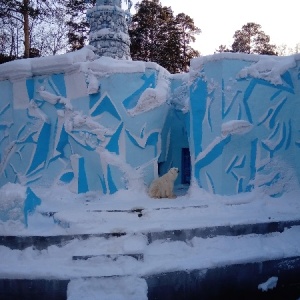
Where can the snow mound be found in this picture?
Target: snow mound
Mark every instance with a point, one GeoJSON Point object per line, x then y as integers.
{"type": "Point", "coordinates": [270, 284]}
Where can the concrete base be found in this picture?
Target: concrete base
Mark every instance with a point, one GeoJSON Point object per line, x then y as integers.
{"type": "Point", "coordinates": [238, 281]}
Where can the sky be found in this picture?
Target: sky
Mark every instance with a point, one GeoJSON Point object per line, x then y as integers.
{"type": "Point", "coordinates": [219, 19]}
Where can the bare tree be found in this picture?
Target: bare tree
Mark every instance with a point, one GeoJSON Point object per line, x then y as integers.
{"type": "Point", "coordinates": [25, 13]}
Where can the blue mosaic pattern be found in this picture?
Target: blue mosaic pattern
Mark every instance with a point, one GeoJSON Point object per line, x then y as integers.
{"type": "Point", "coordinates": [266, 156]}
{"type": "Point", "coordinates": [90, 142]}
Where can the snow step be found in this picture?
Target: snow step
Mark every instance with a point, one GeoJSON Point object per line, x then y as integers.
{"type": "Point", "coordinates": [141, 210]}
{"type": "Point", "coordinates": [114, 257]}
{"type": "Point", "coordinates": [116, 287]}
{"type": "Point", "coordinates": [42, 242]}
{"type": "Point", "coordinates": [226, 230]}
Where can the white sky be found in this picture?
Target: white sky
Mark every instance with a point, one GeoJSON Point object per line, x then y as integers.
{"type": "Point", "coordinates": [219, 19]}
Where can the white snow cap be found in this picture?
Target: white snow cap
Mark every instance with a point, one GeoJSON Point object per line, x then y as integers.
{"type": "Point", "coordinates": [24, 68]}
{"type": "Point", "coordinates": [269, 68]}
{"type": "Point", "coordinates": [265, 67]}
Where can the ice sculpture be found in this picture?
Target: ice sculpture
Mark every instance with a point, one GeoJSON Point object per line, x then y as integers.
{"type": "Point", "coordinates": [109, 29]}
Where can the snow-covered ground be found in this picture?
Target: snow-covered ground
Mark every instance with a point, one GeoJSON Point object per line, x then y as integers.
{"type": "Point", "coordinates": [193, 208]}
{"type": "Point", "coordinates": [132, 257]}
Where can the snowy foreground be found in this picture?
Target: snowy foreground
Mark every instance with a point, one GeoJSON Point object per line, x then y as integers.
{"type": "Point", "coordinates": [119, 213]}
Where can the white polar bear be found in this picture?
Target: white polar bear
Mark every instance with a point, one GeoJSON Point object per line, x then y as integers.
{"type": "Point", "coordinates": [162, 187]}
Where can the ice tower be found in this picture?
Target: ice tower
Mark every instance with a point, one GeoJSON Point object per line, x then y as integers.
{"type": "Point", "coordinates": [109, 30]}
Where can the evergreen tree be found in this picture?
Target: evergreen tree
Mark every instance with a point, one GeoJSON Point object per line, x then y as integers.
{"type": "Point", "coordinates": [156, 35]}
{"type": "Point", "coordinates": [78, 26]}
{"type": "Point", "coordinates": [252, 40]}
{"type": "Point", "coordinates": [187, 31]}
{"type": "Point", "coordinates": [222, 48]}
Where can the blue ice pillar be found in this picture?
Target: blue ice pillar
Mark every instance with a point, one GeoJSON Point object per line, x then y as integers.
{"type": "Point", "coordinates": [243, 129]}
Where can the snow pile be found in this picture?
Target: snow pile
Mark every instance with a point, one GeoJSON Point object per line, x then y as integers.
{"type": "Point", "coordinates": [153, 97]}
{"type": "Point", "coordinates": [107, 65]}
{"type": "Point", "coordinates": [126, 288]}
{"type": "Point", "coordinates": [270, 284]}
{"type": "Point", "coordinates": [12, 198]}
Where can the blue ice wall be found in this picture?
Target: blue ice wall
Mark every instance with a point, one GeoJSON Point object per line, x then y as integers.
{"type": "Point", "coordinates": [91, 128]}
{"type": "Point", "coordinates": [105, 125]}
{"type": "Point", "coordinates": [244, 123]}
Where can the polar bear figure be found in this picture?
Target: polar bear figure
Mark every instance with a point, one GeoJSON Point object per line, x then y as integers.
{"type": "Point", "coordinates": [163, 186]}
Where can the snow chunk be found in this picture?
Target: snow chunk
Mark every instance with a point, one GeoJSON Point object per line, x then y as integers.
{"type": "Point", "coordinates": [236, 127]}
{"type": "Point", "coordinates": [153, 97]}
{"type": "Point", "coordinates": [270, 284]}
{"type": "Point", "coordinates": [12, 202]}
{"type": "Point", "coordinates": [93, 84]}
{"type": "Point", "coordinates": [49, 97]}
{"type": "Point", "coordinates": [269, 68]}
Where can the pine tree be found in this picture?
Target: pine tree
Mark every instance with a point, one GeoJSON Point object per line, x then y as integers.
{"type": "Point", "coordinates": [158, 36]}
{"type": "Point", "coordinates": [252, 40]}
{"type": "Point", "coordinates": [187, 31]}
{"type": "Point", "coordinates": [78, 24]}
